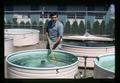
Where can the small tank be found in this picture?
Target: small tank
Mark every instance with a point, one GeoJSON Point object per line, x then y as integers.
{"type": "Point", "coordinates": [8, 46]}
{"type": "Point", "coordinates": [87, 47]}
{"type": "Point", "coordinates": [37, 64]}
{"type": "Point", "coordinates": [105, 67]}
{"type": "Point", "coordinates": [23, 37]}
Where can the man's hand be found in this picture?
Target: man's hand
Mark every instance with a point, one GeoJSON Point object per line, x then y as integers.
{"type": "Point", "coordinates": [57, 42]}
{"type": "Point", "coordinates": [50, 44]}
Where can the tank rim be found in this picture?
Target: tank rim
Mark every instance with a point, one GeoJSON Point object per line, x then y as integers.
{"type": "Point", "coordinates": [86, 46]}
{"type": "Point", "coordinates": [26, 32]}
{"type": "Point", "coordinates": [30, 68]}
{"type": "Point", "coordinates": [104, 55]}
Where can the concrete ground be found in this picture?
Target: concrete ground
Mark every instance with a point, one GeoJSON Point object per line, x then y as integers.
{"type": "Point", "coordinates": [42, 45]}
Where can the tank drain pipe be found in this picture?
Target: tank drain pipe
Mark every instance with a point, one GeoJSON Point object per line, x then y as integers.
{"type": "Point", "coordinates": [85, 58]}
{"type": "Point", "coordinates": [85, 67]}
{"type": "Point", "coordinates": [81, 75]}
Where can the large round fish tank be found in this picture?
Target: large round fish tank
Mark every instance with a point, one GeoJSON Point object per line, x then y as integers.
{"type": "Point", "coordinates": [23, 37]}
{"type": "Point", "coordinates": [36, 64]}
{"type": "Point", "coordinates": [87, 46]}
{"type": "Point", "coordinates": [8, 49]}
{"type": "Point", "coordinates": [105, 67]}
{"type": "Point", "coordinates": [8, 46]}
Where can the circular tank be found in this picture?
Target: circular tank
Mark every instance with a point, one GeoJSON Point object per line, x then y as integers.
{"type": "Point", "coordinates": [36, 64]}
{"type": "Point", "coordinates": [87, 46]}
{"type": "Point", "coordinates": [105, 67]}
{"type": "Point", "coordinates": [8, 46]}
{"type": "Point", "coordinates": [23, 37]}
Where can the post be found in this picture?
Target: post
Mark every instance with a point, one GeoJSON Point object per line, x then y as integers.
{"type": "Point", "coordinates": [43, 21]}
{"type": "Point", "coordinates": [86, 21]}
{"type": "Point", "coordinates": [85, 58]}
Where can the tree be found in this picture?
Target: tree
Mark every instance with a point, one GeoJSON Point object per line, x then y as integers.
{"type": "Point", "coordinates": [110, 28]}
{"type": "Point", "coordinates": [102, 28]}
{"type": "Point", "coordinates": [15, 24]}
{"type": "Point", "coordinates": [34, 25]}
{"type": "Point", "coordinates": [45, 25]}
{"type": "Point", "coordinates": [14, 20]}
{"type": "Point", "coordinates": [89, 27]}
{"type": "Point", "coordinates": [40, 23]}
{"type": "Point", "coordinates": [40, 26]}
{"type": "Point", "coordinates": [22, 24]}
{"type": "Point", "coordinates": [8, 24]}
{"type": "Point", "coordinates": [96, 28]}
{"type": "Point", "coordinates": [74, 28]}
{"type": "Point", "coordinates": [81, 30]}
{"type": "Point", "coordinates": [28, 24]}
{"type": "Point", "coordinates": [67, 28]}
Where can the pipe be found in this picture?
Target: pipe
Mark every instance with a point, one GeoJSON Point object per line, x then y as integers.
{"type": "Point", "coordinates": [81, 75]}
{"type": "Point", "coordinates": [85, 67]}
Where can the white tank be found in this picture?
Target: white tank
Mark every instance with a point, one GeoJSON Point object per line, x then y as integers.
{"type": "Point", "coordinates": [8, 46]}
{"type": "Point", "coordinates": [8, 49]}
{"type": "Point", "coordinates": [23, 37]}
{"type": "Point", "coordinates": [105, 67]}
{"type": "Point", "coordinates": [27, 64]}
{"type": "Point", "coordinates": [86, 46]}
{"type": "Point", "coordinates": [87, 51]}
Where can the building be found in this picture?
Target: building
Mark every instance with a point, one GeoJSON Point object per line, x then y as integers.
{"type": "Point", "coordinates": [71, 13]}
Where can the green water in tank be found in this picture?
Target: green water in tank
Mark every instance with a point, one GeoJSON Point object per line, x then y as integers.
{"type": "Point", "coordinates": [109, 65]}
{"type": "Point", "coordinates": [41, 59]}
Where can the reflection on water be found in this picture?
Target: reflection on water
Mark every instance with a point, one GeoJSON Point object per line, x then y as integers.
{"type": "Point", "coordinates": [38, 62]}
{"type": "Point", "coordinates": [110, 65]}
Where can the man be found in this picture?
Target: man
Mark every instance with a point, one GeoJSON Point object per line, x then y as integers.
{"type": "Point", "coordinates": [54, 32]}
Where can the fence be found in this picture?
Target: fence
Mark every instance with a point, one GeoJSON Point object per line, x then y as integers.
{"type": "Point", "coordinates": [38, 20]}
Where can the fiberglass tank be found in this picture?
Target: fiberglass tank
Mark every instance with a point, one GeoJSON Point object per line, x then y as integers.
{"type": "Point", "coordinates": [88, 46]}
{"type": "Point", "coordinates": [8, 46]}
{"type": "Point", "coordinates": [36, 64]}
{"type": "Point", "coordinates": [23, 37]}
{"type": "Point", "coordinates": [105, 67]}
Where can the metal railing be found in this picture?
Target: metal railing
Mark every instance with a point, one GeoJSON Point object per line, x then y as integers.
{"type": "Point", "coordinates": [38, 11]}
{"type": "Point", "coordinates": [44, 14]}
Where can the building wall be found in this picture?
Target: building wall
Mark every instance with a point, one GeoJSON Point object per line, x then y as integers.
{"type": "Point", "coordinates": [21, 8]}
{"type": "Point", "coordinates": [54, 7]}
{"type": "Point", "coordinates": [51, 8]}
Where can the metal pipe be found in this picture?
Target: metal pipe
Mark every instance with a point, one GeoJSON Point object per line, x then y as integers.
{"type": "Point", "coordinates": [43, 21]}
{"type": "Point", "coordinates": [55, 11]}
{"type": "Point", "coordinates": [85, 61]}
{"type": "Point", "coordinates": [85, 67]}
{"type": "Point", "coordinates": [86, 21]}
{"type": "Point", "coordinates": [88, 56]}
